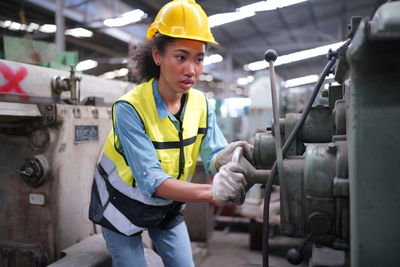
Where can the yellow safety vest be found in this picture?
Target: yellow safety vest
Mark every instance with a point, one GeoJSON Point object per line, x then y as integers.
{"type": "Point", "coordinates": [116, 202]}
{"type": "Point", "coordinates": [177, 151]}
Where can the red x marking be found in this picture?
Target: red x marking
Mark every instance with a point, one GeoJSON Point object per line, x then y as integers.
{"type": "Point", "coordinates": [13, 80]}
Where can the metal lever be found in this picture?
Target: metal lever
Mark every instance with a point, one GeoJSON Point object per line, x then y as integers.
{"type": "Point", "coordinates": [270, 56]}
{"type": "Point", "coordinates": [294, 255]}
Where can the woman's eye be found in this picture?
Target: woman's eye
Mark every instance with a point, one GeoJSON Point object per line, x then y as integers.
{"type": "Point", "coordinates": [180, 57]}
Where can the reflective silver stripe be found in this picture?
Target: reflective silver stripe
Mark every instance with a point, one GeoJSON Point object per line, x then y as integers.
{"type": "Point", "coordinates": [101, 187]}
{"type": "Point", "coordinates": [107, 164]}
{"type": "Point", "coordinates": [119, 221]}
{"type": "Point", "coordinates": [129, 191]}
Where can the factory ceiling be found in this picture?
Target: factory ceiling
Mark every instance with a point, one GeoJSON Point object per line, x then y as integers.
{"type": "Point", "coordinates": [297, 27]}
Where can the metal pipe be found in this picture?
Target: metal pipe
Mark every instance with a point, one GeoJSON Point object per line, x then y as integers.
{"type": "Point", "coordinates": [60, 23]}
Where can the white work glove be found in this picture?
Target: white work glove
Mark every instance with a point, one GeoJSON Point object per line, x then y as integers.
{"type": "Point", "coordinates": [229, 184]}
{"type": "Point", "coordinates": [224, 156]}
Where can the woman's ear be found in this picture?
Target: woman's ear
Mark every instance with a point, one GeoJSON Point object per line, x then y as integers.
{"type": "Point", "coordinates": [155, 53]}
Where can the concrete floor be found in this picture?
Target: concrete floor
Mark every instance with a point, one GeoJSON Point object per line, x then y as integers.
{"type": "Point", "coordinates": [228, 248]}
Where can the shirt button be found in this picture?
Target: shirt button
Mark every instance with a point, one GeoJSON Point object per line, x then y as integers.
{"type": "Point", "coordinates": [145, 173]}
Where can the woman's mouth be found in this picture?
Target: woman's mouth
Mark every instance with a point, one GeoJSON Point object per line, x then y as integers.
{"type": "Point", "coordinates": [186, 84]}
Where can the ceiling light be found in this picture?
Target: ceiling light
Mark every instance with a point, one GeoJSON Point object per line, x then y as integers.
{"type": "Point", "coordinates": [115, 73]}
{"type": "Point", "coordinates": [223, 18]}
{"type": "Point", "coordinates": [48, 28]}
{"type": "Point", "coordinates": [269, 5]}
{"type": "Point", "coordinates": [213, 59]}
{"type": "Point", "coordinates": [304, 80]}
{"type": "Point", "coordinates": [300, 81]}
{"type": "Point", "coordinates": [5, 24]}
{"type": "Point", "coordinates": [245, 80]}
{"type": "Point", "coordinates": [121, 72]}
{"type": "Point", "coordinates": [79, 32]}
{"type": "Point", "coordinates": [249, 11]}
{"type": "Point", "coordinates": [297, 56]}
{"type": "Point", "coordinates": [86, 65]}
{"type": "Point", "coordinates": [15, 26]}
{"type": "Point", "coordinates": [126, 18]}
{"type": "Point", "coordinates": [33, 27]}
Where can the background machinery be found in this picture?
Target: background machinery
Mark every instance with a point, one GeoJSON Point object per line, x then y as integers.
{"type": "Point", "coordinates": [338, 179]}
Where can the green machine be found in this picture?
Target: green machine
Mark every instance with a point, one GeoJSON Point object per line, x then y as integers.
{"type": "Point", "coordinates": [338, 177]}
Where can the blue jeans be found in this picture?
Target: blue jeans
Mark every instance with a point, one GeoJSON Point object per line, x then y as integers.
{"type": "Point", "coordinates": [173, 245]}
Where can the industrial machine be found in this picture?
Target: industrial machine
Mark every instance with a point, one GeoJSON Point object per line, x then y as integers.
{"type": "Point", "coordinates": [337, 168]}
{"type": "Point", "coordinates": [52, 127]}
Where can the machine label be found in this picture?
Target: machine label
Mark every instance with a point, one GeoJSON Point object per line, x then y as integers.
{"type": "Point", "coordinates": [86, 133]}
{"type": "Point", "coordinates": [37, 199]}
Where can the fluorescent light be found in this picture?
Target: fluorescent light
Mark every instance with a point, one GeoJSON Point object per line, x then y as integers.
{"type": "Point", "coordinates": [79, 32]}
{"type": "Point", "coordinates": [126, 18]}
{"type": "Point", "coordinates": [115, 73]}
{"type": "Point", "coordinates": [297, 56]}
{"type": "Point", "coordinates": [245, 80]}
{"type": "Point", "coordinates": [213, 59]}
{"type": "Point", "coordinates": [206, 77]}
{"type": "Point", "coordinates": [86, 65]}
{"type": "Point", "coordinates": [269, 5]}
{"type": "Point", "coordinates": [223, 18]}
{"type": "Point", "coordinates": [304, 80]}
{"type": "Point", "coordinates": [48, 28]}
{"type": "Point", "coordinates": [15, 26]}
{"type": "Point", "coordinates": [300, 81]}
{"type": "Point", "coordinates": [33, 27]}
{"type": "Point", "coordinates": [6, 24]}
{"type": "Point", "coordinates": [249, 11]}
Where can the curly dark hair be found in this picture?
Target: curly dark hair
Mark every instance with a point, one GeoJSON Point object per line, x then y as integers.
{"type": "Point", "coordinates": [146, 69]}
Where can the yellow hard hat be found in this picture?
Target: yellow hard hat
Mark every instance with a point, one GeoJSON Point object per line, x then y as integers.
{"type": "Point", "coordinates": [182, 19]}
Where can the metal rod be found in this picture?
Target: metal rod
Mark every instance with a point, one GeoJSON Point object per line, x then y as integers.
{"type": "Point", "coordinates": [271, 56]}
{"type": "Point", "coordinates": [60, 23]}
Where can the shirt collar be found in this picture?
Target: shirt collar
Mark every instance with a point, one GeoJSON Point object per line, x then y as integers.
{"type": "Point", "coordinates": [162, 109]}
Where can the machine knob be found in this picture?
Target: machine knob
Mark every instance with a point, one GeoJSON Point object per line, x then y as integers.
{"type": "Point", "coordinates": [270, 55]}
{"type": "Point", "coordinates": [35, 170]}
{"type": "Point", "coordinates": [294, 256]}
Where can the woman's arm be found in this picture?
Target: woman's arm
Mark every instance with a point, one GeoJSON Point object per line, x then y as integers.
{"type": "Point", "coordinates": [184, 191]}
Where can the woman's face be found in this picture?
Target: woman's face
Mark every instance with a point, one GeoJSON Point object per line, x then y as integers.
{"type": "Point", "coordinates": [180, 65]}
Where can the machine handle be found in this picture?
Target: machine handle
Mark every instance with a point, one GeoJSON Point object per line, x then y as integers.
{"type": "Point", "coordinates": [253, 176]}
{"type": "Point", "coordinates": [237, 154]}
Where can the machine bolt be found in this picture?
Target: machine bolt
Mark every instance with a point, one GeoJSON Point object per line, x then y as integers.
{"type": "Point", "coordinates": [49, 107]}
{"type": "Point", "coordinates": [332, 147]}
{"type": "Point", "coordinates": [325, 93]}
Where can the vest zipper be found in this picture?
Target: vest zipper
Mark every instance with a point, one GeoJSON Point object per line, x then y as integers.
{"type": "Point", "coordinates": [181, 154]}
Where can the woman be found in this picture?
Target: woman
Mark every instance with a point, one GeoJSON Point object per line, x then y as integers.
{"type": "Point", "coordinates": [159, 129]}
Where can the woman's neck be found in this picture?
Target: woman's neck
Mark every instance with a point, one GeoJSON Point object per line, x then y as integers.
{"type": "Point", "coordinates": [171, 99]}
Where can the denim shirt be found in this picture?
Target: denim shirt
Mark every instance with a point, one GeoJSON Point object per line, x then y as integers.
{"type": "Point", "coordinates": [139, 150]}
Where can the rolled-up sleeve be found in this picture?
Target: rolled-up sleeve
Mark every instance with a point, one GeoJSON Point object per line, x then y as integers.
{"type": "Point", "coordinates": [213, 142]}
{"type": "Point", "coordinates": [138, 149]}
